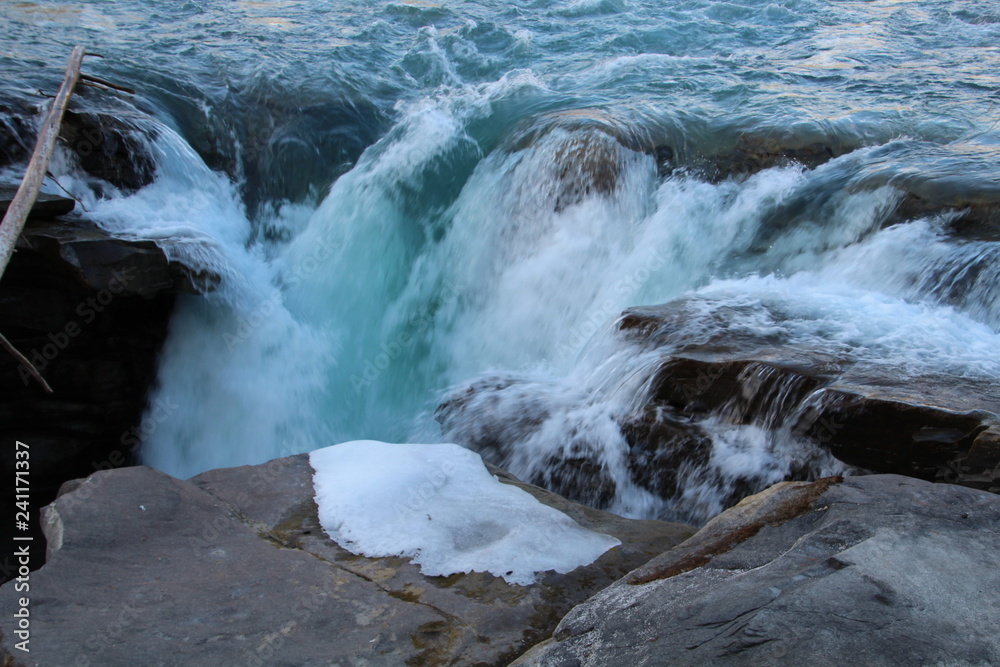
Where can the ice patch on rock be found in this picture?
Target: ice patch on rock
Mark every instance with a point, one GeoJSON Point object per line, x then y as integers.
{"type": "Point", "coordinates": [440, 506]}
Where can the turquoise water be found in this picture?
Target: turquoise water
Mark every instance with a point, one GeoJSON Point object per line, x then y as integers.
{"type": "Point", "coordinates": [384, 188]}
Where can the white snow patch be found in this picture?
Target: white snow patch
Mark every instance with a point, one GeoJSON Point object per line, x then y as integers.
{"type": "Point", "coordinates": [440, 506]}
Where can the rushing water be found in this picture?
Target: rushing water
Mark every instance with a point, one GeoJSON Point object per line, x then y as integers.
{"type": "Point", "coordinates": [403, 197]}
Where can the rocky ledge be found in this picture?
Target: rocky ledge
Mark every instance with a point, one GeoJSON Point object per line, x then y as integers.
{"type": "Point", "coordinates": [232, 568]}
{"type": "Point", "coordinates": [876, 570]}
{"type": "Point", "coordinates": [828, 413]}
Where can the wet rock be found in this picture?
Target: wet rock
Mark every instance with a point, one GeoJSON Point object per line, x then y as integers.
{"type": "Point", "coordinates": [107, 138]}
{"type": "Point", "coordinates": [296, 153]}
{"type": "Point", "coordinates": [45, 206]}
{"type": "Point", "coordinates": [977, 221]}
{"type": "Point", "coordinates": [495, 416]}
{"type": "Point", "coordinates": [588, 151]}
{"type": "Point", "coordinates": [661, 455]}
{"type": "Point", "coordinates": [753, 153]}
{"type": "Point", "coordinates": [589, 164]}
{"type": "Point", "coordinates": [232, 567]}
{"type": "Point", "coordinates": [722, 414]}
{"type": "Point", "coordinates": [937, 429]}
{"type": "Point", "coordinates": [17, 134]}
{"type": "Point", "coordinates": [96, 259]}
{"type": "Point", "coordinates": [111, 147]}
{"type": "Point", "coordinates": [884, 569]}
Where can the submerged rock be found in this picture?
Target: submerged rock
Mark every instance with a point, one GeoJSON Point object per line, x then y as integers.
{"type": "Point", "coordinates": [232, 567]}
{"type": "Point", "coordinates": [699, 412]}
{"type": "Point", "coordinates": [881, 569]}
{"type": "Point", "coordinates": [588, 152]}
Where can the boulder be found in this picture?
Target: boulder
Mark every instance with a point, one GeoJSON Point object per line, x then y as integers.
{"type": "Point", "coordinates": [793, 411]}
{"type": "Point", "coordinates": [96, 259]}
{"type": "Point", "coordinates": [114, 147]}
{"type": "Point", "coordinates": [878, 570]}
{"type": "Point", "coordinates": [232, 567]}
{"type": "Point", "coordinates": [933, 428]}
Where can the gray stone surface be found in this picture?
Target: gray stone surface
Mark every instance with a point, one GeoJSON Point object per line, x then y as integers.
{"type": "Point", "coordinates": [232, 568]}
{"type": "Point", "coordinates": [45, 206]}
{"type": "Point", "coordinates": [876, 570]}
{"type": "Point", "coordinates": [99, 260]}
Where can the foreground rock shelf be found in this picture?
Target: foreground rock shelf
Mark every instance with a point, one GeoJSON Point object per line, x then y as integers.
{"type": "Point", "coordinates": [877, 570]}
{"type": "Point", "coordinates": [232, 567]}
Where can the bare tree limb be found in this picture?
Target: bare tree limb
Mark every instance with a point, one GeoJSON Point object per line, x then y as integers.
{"type": "Point", "coordinates": [27, 193]}
{"type": "Point", "coordinates": [86, 78]}
{"type": "Point", "coordinates": [26, 363]}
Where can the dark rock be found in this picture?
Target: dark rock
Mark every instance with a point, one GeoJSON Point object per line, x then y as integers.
{"type": "Point", "coordinates": [589, 164]}
{"type": "Point", "coordinates": [793, 411]}
{"type": "Point", "coordinates": [232, 567]}
{"type": "Point", "coordinates": [98, 260]}
{"type": "Point", "coordinates": [113, 148]}
{"type": "Point", "coordinates": [91, 312]}
{"type": "Point", "coordinates": [294, 153]}
{"type": "Point", "coordinates": [45, 206]}
{"type": "Point", "coordinates": [17, 133]}
{"type": "Point", "coordinates": [882, 569]}
{"type": "Point", "coordinates": [493, 416]}
{"type": "Point", "coordinates": [926, 428]}
{"type": "Point", "coordinates": [108, 139]}
{"type": "Point", "coordinates": [590, 150]}
{"type": "Point", "coordinates": [754, 153]}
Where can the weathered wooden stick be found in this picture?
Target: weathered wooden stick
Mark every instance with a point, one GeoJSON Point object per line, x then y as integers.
{"type": "Point", "coordinates": [26, 363]}
{"type": "Point", "coordinates": [86, 78]}
{"type": "Point", "coordinates": [27, 193]}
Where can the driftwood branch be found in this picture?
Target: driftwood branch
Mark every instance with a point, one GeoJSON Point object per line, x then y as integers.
{"type": "Point", "coordinates": [27, 193]}
{"type": "Point", "coordinates": [86, 78]}
{"type": "Point", "coordinates": [30, 367]}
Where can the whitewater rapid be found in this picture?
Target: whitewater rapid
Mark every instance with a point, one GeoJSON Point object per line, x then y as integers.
{"type": "Point", "coordinates": [403, 200]}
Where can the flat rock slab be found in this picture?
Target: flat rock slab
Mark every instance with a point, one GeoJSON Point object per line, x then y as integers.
{"type": "Point", "coordinates": [100, 260]}
{"type": "Point", "coordinates": [874, 570]}
{"type": "Point", "coordinates": [45, 206]}
{"type": "Point", "coordinates": [232, 568]}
